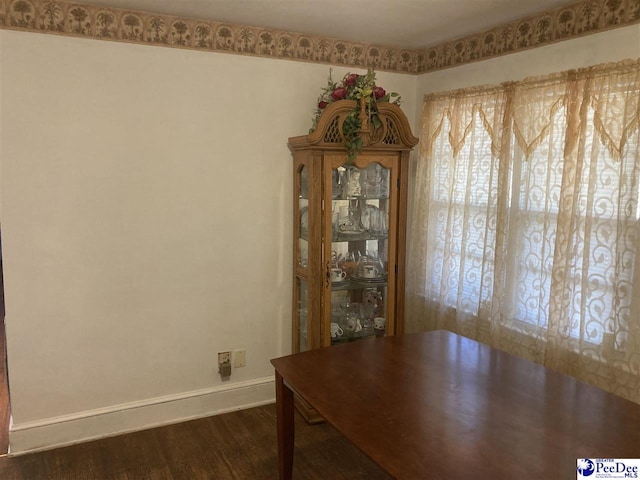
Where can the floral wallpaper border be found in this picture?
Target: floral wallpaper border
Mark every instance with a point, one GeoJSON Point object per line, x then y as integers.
{"type": "Point", "coordinates": [81, 20]}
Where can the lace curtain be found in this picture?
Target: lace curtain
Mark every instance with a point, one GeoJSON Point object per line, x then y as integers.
{"type": "Point", "coordinates": [525, 229]}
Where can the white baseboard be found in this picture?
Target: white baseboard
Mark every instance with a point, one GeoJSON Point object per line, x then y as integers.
{"type": "Point", "coordinates": [106, 422]}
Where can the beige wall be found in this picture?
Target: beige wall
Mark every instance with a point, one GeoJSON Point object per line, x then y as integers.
{"type": "Point", "coordinates": [146, 222]}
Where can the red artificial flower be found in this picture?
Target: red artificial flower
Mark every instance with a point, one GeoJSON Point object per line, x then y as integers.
{"type": "Point", "coordinates": [322, 104]}
{"type": "Point", "coordinates": [379, 92]}
{"type": "Point", "coordinates": [351, 79]}
{"type": "Point", "coordinates": [339, 93]}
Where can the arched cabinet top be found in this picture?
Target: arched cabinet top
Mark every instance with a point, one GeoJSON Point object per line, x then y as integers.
{"type": "Point", "coordinates": [394, 133]}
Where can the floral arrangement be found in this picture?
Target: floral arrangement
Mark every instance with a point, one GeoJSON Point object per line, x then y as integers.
{"type": "Point", "coordinates": [354, 87]}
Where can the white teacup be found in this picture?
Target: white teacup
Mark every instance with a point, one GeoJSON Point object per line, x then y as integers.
{"type": "Point", "coordinates": [379, 323]}
{"type": "Point", "coordinates": [336, 330]}
{"type": "Point", "coordinates": [338, 275]}
{"type": "Point", "coordinates": [353, 325]}
{"type": "Point", "coordinates": [369, 271]}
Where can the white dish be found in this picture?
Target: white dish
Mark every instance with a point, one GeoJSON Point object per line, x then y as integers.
{"type": "Point", "coordinates": [304, 219]}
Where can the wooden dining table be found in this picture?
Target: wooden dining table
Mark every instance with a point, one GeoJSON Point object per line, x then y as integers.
{"type": "Point", "coordinates": [437, 405]}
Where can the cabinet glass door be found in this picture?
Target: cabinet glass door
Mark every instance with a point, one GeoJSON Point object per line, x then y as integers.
{"type": "Point", "coordinates": [302, 313]}
{"type": "Point", "coordinates": [303, 217]}
{"type": "Point", "coordinates": [360, 278]}
{"type": "Point", "coordinates": [302, 334]}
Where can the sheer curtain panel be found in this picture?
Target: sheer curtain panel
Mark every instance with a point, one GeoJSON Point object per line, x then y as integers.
{"type": "Point", "coordinates": [525, 228]}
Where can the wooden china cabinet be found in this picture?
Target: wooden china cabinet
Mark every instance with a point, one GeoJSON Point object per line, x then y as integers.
{"type": "Point", "coordinates": [349, 230]}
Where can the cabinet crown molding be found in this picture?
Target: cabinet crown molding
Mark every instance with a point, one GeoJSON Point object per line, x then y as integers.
{"type": "Point", "coordinates": [393, 134]}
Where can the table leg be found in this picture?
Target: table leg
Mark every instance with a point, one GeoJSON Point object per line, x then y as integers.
{"type": "Point", "coordinates": [284, 413]}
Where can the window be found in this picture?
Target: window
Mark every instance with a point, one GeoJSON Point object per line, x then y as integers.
{"type": "Point", "coordinates": [525, 229]}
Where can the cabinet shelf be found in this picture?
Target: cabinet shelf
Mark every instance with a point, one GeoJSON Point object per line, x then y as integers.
{"type": "Point", "coordinates": [352, 197]}
{"type": "Point", "coordinates": [342, 238]}
{"type": "Point", "coordinates": [355, 285]}
{"type": "Point", "coordinates": [358, 237]}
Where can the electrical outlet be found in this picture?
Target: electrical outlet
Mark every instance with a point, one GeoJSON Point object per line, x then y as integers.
{"type": "Point", "coordinates": [224, 364]}
{"type": "Point", "coordinates": [239, 358]}
{"type": "Point", "coordinates": [224, 357]}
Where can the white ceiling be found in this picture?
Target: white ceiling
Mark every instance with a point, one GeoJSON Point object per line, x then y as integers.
{"type": "Point", "coordinates": [411, 24]}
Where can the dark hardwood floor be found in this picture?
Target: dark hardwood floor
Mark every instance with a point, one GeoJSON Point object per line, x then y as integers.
{"type": "Point", "coordinates": [237, 445]}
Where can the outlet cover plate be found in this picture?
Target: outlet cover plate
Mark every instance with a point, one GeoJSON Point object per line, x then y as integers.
{"type": "Point", "coordinates": [240, 358]}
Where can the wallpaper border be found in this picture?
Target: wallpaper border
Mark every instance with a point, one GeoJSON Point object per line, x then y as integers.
{"type": "Point", "coordinates": [81, 20]}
